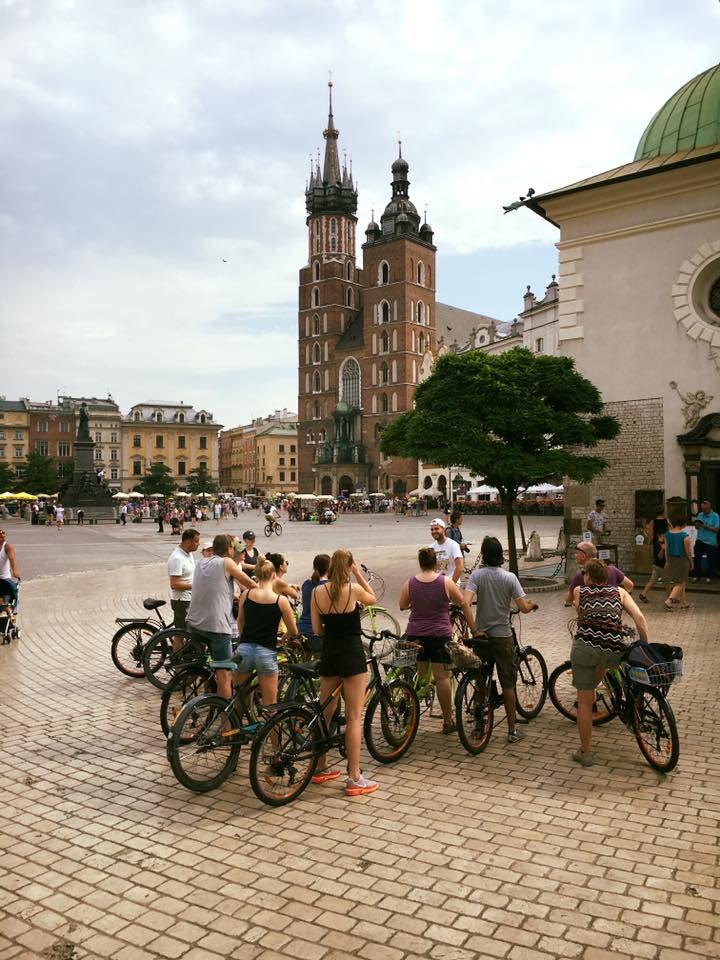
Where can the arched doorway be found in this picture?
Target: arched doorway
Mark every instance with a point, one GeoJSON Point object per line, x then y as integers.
{"type": "Point", "coordinates": [326, 485]}
{"type": "Point", "coordinates": [346, 486]}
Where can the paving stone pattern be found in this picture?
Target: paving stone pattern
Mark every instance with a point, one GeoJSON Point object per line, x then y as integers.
{"type": "Point", "coordinates": [517, 854]}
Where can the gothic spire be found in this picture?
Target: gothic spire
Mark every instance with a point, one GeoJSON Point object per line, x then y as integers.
{"type": "Point", "coordinates": [331, 167]}
{"type": "Point", "coordinates": [331, 190]}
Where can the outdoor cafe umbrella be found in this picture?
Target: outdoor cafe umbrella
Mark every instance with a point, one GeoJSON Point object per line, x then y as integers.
{"type": "Point", "coordinates": [137, 495]}
{"type": "Point", "coordinates": [7, 495]}
{"type": "Point", "coordinates": [120, 496]}
{"type": "Point", "coordinates": [25, 496]}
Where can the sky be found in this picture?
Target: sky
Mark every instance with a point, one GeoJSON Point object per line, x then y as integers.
{"type": "Point", "coordinates": [153, 157]}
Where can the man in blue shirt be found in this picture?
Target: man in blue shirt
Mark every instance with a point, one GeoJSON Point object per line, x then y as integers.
{"type": "Point", "coordinates": [707, 523]}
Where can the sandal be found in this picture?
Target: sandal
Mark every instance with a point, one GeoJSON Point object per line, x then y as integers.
{"type": "Point", "coordinates": [668, 606]}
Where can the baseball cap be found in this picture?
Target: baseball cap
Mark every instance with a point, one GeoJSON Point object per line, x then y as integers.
{"type": "Point", "coordinates": [207, 545]}
{"type": "Point", "coordinates": [249, 535]}
{"type": "Point", "coordinates": [437, 522]}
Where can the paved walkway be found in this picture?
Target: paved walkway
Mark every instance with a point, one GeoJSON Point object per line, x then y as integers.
{"type": "Point", "coordinates": [517, 854]}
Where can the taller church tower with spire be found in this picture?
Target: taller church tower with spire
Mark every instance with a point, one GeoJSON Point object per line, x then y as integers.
{"type": "Point", "coordinates": [365, 335]}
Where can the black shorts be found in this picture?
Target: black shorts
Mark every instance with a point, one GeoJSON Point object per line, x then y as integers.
{"type": "Point", "coordinates": [179, 609]}
{"type": "Point", "coordinates": [342, 657]}
{"type": "Point", "coordinates": [433, 649]}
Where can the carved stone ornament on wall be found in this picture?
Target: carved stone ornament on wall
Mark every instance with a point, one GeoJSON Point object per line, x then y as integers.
{"type": "Point", "coordinates": [694, 298]}
{"type": "Point", "coordinates": [693, 404]}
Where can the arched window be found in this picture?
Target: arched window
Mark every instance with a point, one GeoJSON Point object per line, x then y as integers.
{"type": "Point", "coordinates": [349, 271]}
{"type": "Point", "coordinates": [317, 244]}
{"type": "Point", "coordinates": [316, 325]}
{"type": "Point", "coordinates": [316, 382]}
{"type": "Point", "coordinates": [384, 374]}
{"type": "Point", "coordinates": [421, 273]}
{"type": "Point", "coordinates": [420, 312]}
{"type": "Point", "coordinates": [383, 342]}
{"type": "Point", "coordinates": [136, 416]}
{"type": "Point", "coordinates": [315, 297]}
{"type": "Point", "coordinates": [316, 353]}
{"type": "Point", "coordinates": [349, 297]}
{"type": "Point", "coordinates": [350, 382]}
{"type": "Point", "coordinates": [158, 417]}
{"type": "Point", "coordinates": [333, 244]}
{"type": "Point", "coordinates": [316, 270]}
{"type": "Point", "coordinates": [181, 418]}
{"type": "Point", "coordinates": [421, 343]}
{"type": "Point", "coordinates": [384, 403]}
{"type": "Point", "coordinates": [384, 312]}
{"type": "Point", "coordinates": [203, 418]}
{"type": "Point", "coordinates": [333, 226]}
{"type": "Point", "coordinates": [316, 413]}
{"type": "Point", "coordinates": [384, 272]}
{"type": "Point", "coordinates": [394, 403]}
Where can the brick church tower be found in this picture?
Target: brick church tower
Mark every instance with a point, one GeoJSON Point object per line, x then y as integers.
{"type": "Point", "coordinates": [364, 335]}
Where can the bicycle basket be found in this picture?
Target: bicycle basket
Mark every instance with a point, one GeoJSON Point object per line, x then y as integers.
{"type": "Point", "coordinates": [468, 658]}
{"type": "Point", "coordinates": [659, 675]}
{"type": "Point", "coordinates": [396, 653]}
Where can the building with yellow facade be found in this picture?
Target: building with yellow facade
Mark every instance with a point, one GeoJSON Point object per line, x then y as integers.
{"type": "Point", "coordinates": [14, 434]}
{"type": "Point", "coordinates": [175, 434]}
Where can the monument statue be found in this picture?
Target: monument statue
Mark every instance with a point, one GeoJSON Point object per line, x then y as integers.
{"type": "Point", "coordinates": [83, 434]}
{"type": "Point", "coordinates": [85, 491]}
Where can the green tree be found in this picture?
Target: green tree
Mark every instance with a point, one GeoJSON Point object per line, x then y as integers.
{"type": "Point", "coordinates": [200, 482]}
{"type": "Point", "coordinates": [8, 478]}
{"type": "Point", "coordinates": [158, 479]}
{"type": "Point", "coordinates": [515, 418]}
{"type": "Point", "coordinates": [39, 474]}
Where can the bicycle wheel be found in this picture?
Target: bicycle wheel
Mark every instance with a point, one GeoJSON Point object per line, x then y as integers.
{"type": "Point", "coordinates": [655, 729]}
{"type": "Point", "coordinates": [190, 682]}
{"type": "Point", "coordinates": [284, 756]}
{"type": "Point", "coordinates": [268, 530]}
{"type": "Point", "coordinates": [391, 721]}
{"type": "Point", "coordinates": [374, 619]}
{"type": "Point", "coordinates": [532, 683]}
{"type": "Point", "coordinates": [161, 662]}
{"type": "Point", "coordinates": [473, 712]}
{"type": "Point", "coordinates": [278, 529]}
{"type": "Point", "coordinates": [203, 745]}
{"type": "Point", "coordinates": [564, 696]}
{"type": "Point", "coordinates": [127, 647]}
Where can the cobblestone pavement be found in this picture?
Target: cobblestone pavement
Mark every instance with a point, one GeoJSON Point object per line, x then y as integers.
{"type": "Point", "coordinates": [517, 853]}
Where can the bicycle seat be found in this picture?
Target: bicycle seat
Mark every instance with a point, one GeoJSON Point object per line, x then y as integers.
{"type": "Point", "coordinates": [223, 665]}
{"type": "Point", "coordinates": [309, 669]}
{"type": "Point", "coordinates": [151, 604]}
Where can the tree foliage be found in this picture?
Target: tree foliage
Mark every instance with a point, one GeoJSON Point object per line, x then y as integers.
{"type": "Point", "coordinates": [200, 481]}
{"type": "Point", "coordinates": [8, 478]}
{"type": "Point", "coordinates": [158, 479]}
{"type": "Point", "coordinates": [40, 474]}
{"type": "Point", "coordinates": [515, 419]}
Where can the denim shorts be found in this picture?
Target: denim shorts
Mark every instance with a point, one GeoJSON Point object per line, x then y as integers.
{"type": "Point", "coordinates": [219, 644]}
{"type": "Point", "coordinates": [252, 656]}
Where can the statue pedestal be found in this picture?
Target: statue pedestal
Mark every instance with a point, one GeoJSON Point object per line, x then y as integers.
{"type": "Point", "coordinates": [84, 492]}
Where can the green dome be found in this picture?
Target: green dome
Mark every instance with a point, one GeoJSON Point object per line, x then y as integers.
{"type": "Point", "coordinates": [690, 118]}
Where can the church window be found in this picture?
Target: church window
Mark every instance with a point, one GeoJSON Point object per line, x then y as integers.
{"type": "Point", "coordinates": [374, 374]}
{"type": "Point", "coordinates": [333, 244]}
{"type": "Point", "coordinates": [333, 226]}
{"type": "Point", "coordinates": [316, 270]}
{"type": "Point", "coordinates": [326, 351]}
{"type": "Point", "coordinates": [373, 405]}
{"type": "Point", "coordinates": [316, 326]}
{"type": "Point", "coordinates": [384, 374]}
{"type": "Point", "coordinates": [384, 343]}
{"type": "Point", "coordinates": [349, 297]}
{"type": "Point", "coordinates": [316, 382]}
{"type": "Point", "coordinates": [420, 312]}
{"type": "Point", "coordinates": [315, 297]}
{"type": "Point", "coordinates": [316, 353]}
{"type": "Point", "coordinates": [384, 403]}
{"type": "Point", "coordinates": [394, 371]}
{"type": "Point", "coordinates": [316, 413]}
{"type": "Point", "coordinates": [421, 343]}
{"type": "Point", "coordinates": [394, 403]}
{"type": "Point", "coordinates": [349, 271]}
{"type": "Point", "coordinates": [714, 298]}
{"type": "Point", "coordinates": [327, 380]}
{"type": "Point", "coordinates": [394, 340]}
{"type": "Point", "coordinates": [350, 382]}
{"type": "Point", "coordinates": [421, 273]}
{"type": "Point", "coordinates": [384, 312]}
{"type": "Point", "coordinates": [384, 273]}
{"type": "Point", "coordinates": [317, 244]}
{"type": "Point", "coordinates": [307, 353]}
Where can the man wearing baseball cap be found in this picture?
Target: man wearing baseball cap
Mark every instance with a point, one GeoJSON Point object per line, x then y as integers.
{"type": "Point", "coordinates": [449, 554]}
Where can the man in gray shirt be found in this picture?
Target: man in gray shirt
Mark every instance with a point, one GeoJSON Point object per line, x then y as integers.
{"type": "Point", "coordinates": [496, 589]}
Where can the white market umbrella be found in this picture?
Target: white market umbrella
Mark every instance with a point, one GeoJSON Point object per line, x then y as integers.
{"type": "Point", "coordinates": [483, 489]}
{"type": "Point", "coordinates": [138, 496]}
{"type": "Point", "coordinates": [120, 496]}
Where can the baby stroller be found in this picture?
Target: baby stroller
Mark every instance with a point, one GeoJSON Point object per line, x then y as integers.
{"type": "Point", "coordinates": [9, 629]}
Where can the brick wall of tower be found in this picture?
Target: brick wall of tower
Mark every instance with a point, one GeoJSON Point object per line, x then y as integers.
{"type": "Point", "coordinates": [406, 336]}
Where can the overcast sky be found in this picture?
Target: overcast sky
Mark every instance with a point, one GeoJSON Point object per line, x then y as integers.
{"type": "Point", "coordinates": [144, 142]}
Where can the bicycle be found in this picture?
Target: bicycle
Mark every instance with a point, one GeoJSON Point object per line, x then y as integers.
{"type": "Point", "coordinates": [126, 646]}
{"type": "Point", "coordinates": [477, 696]}
{"type": "Point", "coordinates": [286, 750]}
{"type": "Point", "coordinates": [638, 696]}
{"type": "Point", "coordinates": [271, 528]}
{"type": "Point", "coordinates": [374, 618]}
{"type": "Point", "coordinates": [168, 651]}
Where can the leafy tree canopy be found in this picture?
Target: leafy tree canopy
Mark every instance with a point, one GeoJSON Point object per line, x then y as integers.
{"type": "Point", "coordinates": [200, 481]}
{"type": "Point", "coordinates": [8, 479]}
{"type": "Point", "coordinates": [158, 479]}
{"type": "Point", "coordinates": [515, 419]}
{"type": "Point", "coordinates": [40, 474]}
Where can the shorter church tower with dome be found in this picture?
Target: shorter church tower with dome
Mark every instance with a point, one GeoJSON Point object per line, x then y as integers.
{"type": "Point", "coordinates": [639, 311]}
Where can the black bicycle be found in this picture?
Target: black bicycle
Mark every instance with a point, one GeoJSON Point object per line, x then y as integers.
{"type": "Point", "coordinates": [477, 696]}
{"type": "Point", "coordinates": [286, 750]}
{"type": "Point", "coordinates": [638, 696]}
{"type": "Point", "coordinates": [167, 652]}
{"type": "Point", "coordinates": [128, 643]}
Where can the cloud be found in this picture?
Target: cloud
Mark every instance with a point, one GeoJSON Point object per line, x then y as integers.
{"type": "Point", "coordinates": [143, 144]}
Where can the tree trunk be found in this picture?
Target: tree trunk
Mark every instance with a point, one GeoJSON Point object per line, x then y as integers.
{"type": "Point", "coordinates": [507, 502]}
{"type": "Point", "coordinates": [522, 531]}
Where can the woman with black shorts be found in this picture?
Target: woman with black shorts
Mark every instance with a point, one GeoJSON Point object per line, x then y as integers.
{"type": "Point", "coordinates": [428, 596]}
{"type": "Point", "coordinates": [335, 614]}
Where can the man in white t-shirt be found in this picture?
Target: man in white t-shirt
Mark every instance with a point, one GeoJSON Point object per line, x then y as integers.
{"type": "Point", "coordinates": [449, 554]}
{"type": "Point", "coordinates": [59, 516]}
{"type": "Point", "coordinates": [180, 568]}
{"type": "Point", "coordinates": [272, 515]}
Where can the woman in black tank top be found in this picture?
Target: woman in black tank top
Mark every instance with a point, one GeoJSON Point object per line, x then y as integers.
{"type": "Point", "coordinates": [335, 614]}
{"type": "Point", "coordinates": [259, 613]}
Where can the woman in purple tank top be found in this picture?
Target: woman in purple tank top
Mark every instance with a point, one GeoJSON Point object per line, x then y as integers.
{"type": "Point", "coordinates": [428, 596]}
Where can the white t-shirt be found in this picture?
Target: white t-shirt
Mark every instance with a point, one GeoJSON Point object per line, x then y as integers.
{"type": "Point", "coordinates": [59, 513]}
{"type": "Point", "coordinates": [446, 553]}
{"type": "Point", "coordinates": [273, 512]}
{"type": "Point", "coordinates": [181, 564]}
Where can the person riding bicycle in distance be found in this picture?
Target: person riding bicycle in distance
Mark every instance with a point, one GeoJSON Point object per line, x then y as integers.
{"type": "Point", "coordinates": [599, 642]}
{"type": "Point", "coordinates": [496, 589]}
{"type": "Point", "coordinates": [272, 515]}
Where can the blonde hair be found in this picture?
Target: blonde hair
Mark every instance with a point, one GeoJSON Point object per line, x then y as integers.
{"type": "Point", "coordinates": [264, 569]}
{"type": "Point", "coordinates": [339, 572]}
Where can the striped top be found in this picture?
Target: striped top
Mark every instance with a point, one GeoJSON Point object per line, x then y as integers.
{"type": "Point", "coordinates": [600, 618]}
